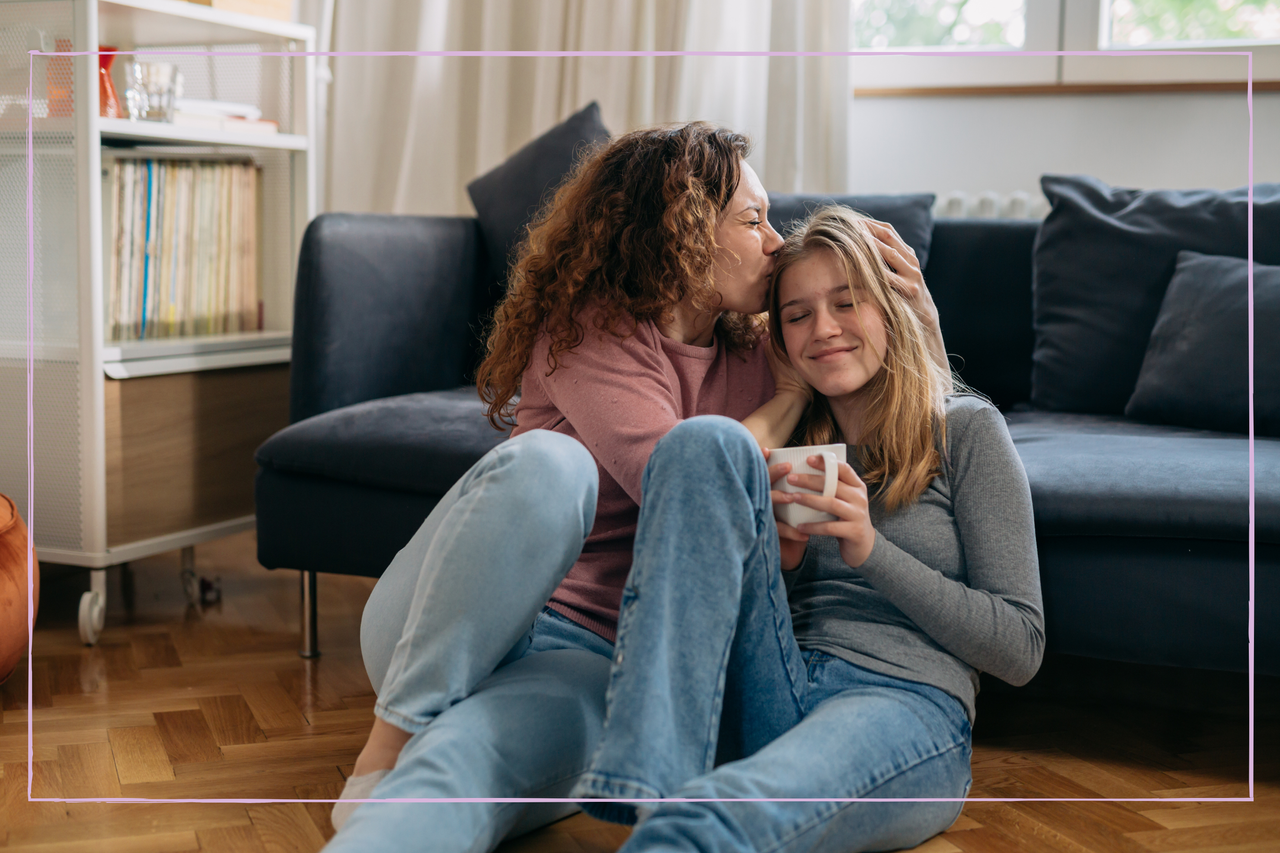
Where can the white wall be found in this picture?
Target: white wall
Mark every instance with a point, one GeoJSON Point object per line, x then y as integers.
{"type": "Point", "coordinates": [1149, 141]}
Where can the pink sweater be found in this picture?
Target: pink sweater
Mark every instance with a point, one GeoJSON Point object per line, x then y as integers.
{"type": "Point", "coordinates": [618, 397]}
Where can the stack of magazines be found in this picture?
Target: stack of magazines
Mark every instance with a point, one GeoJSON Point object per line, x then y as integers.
{"type": "Point", "coordinates": [221, 115]}
{"type": "Point", "coordinates": [184, 248]}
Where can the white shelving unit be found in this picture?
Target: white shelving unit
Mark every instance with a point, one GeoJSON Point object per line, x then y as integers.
{"type": "Point", "coordinates": [81, 379]}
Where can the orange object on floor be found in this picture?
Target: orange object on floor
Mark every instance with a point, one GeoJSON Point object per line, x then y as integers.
{"type": "Point", "coordinates": [13, 586]}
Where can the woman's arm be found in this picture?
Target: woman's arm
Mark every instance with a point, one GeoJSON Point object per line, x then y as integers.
{"type": "Point", "coordinates": [619, 396]}
{"type": "Point", "coordinates": [995, 622]}
{"type": "Point", "coordinates": [773, 423]}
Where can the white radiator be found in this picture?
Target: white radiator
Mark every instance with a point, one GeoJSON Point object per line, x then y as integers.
{"type": "Point", "coordinates": [989, 204]}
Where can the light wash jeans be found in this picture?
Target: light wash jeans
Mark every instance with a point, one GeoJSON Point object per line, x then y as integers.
{"type": "Point", "coordinates": [505, 698]}
{"type": "Point", "coordinates": [707, 670]}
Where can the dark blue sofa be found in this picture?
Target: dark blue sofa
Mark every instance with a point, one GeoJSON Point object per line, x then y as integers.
{"type": "Point", "coordinates": [1142, 530]}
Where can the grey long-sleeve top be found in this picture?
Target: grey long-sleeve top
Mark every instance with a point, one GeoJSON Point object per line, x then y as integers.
{"type": "Point", "coordinates": [952, 586]}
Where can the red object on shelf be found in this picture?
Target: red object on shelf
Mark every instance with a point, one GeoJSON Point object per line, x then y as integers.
{"type": "Point", "coordinates": [108, 101]}
{"type": "Point", "coordinates": [13, 586]}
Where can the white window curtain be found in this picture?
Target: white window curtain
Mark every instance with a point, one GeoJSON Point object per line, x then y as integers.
{"type": "Point", "coordinates": [406, 134]}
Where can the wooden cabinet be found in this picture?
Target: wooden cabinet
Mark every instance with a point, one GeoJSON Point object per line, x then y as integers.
{"type": "Point", "coordinates": [179, 447]}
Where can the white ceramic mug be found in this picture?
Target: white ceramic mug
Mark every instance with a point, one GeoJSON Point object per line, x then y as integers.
{"type": "Point", "coordinates": [831, 454]}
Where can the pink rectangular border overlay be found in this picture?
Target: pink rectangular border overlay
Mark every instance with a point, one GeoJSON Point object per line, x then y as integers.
{"type": "Point", "coordinates": [628, 53]}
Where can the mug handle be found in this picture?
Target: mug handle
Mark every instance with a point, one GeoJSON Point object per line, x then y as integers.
{"type": "Point", "coordinates": [831, 467]}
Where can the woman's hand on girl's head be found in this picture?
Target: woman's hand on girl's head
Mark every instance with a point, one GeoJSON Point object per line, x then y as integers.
{"type": "Point", "coordinates": [906, 276]}
{"type": "Point", "coordinates": [791, 542]}
{"type": "Point", "coordinates": [850, 505]}
{"type": "Point", "coordinates": [908, 280]}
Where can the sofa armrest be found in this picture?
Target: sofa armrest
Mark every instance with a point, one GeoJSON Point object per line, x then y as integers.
{"type": "Point", "coordinates": [384, 306]}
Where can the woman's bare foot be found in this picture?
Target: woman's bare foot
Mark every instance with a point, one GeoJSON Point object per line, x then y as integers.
{"type": "Point", "coordinates": [382, 749]}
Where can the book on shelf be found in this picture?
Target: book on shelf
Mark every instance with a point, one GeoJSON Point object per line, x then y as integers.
{"type": "Point", "coordinates": [184, 248]}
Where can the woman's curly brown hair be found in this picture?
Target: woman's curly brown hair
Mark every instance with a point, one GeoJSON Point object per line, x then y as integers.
{"type": "Point", "coordinates": [631, 229]}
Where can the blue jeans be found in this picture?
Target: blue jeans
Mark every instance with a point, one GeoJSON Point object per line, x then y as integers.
{"type": "Point", "coordinates": [707, 672]}
{"type": "Point", "coordinates": [505, 698]}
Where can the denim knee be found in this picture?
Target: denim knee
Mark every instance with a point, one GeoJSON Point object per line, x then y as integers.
{"type": "Point", "coordinates": [546, 464]}
{"type": "Point", "coordinates": [694, 439]}
{"type": "Point", "coordinates": [710, 451]}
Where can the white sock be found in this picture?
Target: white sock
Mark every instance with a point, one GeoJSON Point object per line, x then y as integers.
{"type": "Point", "coordinates": [357, 788]}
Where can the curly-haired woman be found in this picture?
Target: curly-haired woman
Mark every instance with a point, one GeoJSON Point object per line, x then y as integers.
{"type": "Point", "coordinates": [633, 305]}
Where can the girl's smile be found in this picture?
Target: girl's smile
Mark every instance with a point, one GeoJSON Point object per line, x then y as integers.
{"type": "Point", "coordinates": [835, 343]}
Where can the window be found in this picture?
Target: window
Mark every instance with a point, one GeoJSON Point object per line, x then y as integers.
{"type": "Point", "coordinates": [1136, 23]}
{"type": "Point", "coordinates": [962, 26]}
{"type": "Point", "coordinates": [880, 24]}
{"type": "Point", "coordinates": [969, 27]}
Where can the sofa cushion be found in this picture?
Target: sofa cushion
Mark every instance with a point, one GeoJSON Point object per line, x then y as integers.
{"type": "Point", "coordinates": [1103, 259]}
{"type": "Point", "coordinates": [382, 307]}
{"type": "Point", "coordinates": [1195, 373]}
{"type": "Point", "coordinates": [1097, 475]}
{"type": "Point", "coordinates": [418, 443]}
{"type": "Point", "coordinates": [911, 215]}
{"type": "Point", "coordinates": [507, 196]}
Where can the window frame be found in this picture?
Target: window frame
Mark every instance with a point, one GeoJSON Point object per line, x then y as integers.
{"type": "Point", "coordinates": [1066, 25]}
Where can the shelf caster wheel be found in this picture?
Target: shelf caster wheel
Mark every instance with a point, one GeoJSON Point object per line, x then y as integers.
{"type": "Point", "coordinates": [93, 607]}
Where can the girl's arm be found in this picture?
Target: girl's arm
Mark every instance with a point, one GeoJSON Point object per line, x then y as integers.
{"type": "Point", "coordinates": [995, 622]}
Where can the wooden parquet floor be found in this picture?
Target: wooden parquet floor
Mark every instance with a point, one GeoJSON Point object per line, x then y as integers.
{"type": "Point", "coordinates": [179, 702]}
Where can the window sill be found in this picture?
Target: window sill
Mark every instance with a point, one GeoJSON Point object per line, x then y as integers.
{"type": "Point", "coordinates": [1233, 87]}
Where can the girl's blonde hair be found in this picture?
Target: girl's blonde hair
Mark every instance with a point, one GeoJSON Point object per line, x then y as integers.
{"type": "Point", "coordinates": [904, 422]}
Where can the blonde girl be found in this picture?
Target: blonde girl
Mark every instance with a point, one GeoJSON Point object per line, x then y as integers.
{"type": "Point", "coordinates": [841, 668]}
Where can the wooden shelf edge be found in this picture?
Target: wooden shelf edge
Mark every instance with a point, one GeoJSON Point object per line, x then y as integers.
{"type": "Point", "coordinates": [1041, 89]}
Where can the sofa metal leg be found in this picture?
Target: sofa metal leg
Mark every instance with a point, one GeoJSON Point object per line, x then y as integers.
{"type": "Point", "coordinates": [310, 647]}
{"type": "Point", "coordinates": [190, 581]}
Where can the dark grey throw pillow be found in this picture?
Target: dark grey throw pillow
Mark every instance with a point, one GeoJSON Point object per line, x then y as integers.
{"type": "Point", "coordinates": [508, 196]}
{"type": "Point", "coordinates": [911, 215]}
{"type": "Point", "coordinates": [1103, 258]}
{"type": "Point", "coordinates": [1195, 373]}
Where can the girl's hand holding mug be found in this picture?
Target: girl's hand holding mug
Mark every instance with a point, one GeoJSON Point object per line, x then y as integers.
{"type": "Point", "coordinates": [791, 542]}
{"type": "Point", "coordinates": [850, 506]}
